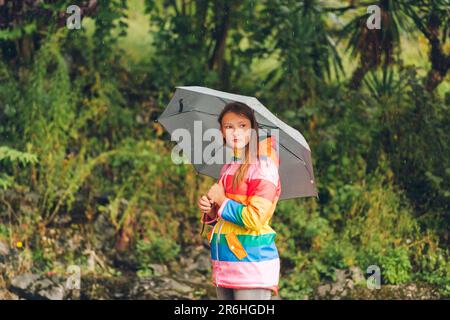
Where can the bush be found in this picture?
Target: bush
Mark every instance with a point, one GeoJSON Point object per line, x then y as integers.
{"type": "Point", "coordinates": [395, 266]}
{"type": "Point", "coordinates": [155, 249]}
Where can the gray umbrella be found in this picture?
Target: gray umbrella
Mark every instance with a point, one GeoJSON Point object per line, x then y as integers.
{"type": "Point", "coordinates": [201, 105]}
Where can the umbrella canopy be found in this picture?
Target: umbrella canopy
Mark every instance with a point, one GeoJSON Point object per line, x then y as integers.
{"type": "Point", "coordinates": [196, 109]}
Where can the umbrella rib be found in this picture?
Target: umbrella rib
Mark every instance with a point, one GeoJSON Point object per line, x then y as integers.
{"type": "Point", "coordinates": [304, 162]}
{"type": "Point", "coordinates": [221, 147]}
{"type": "Point", "coordinates": [267, 126]}
{"type": "Point", "coordinates": [221, 99]}
{"type": "Point", "coordinates": [200, 111]}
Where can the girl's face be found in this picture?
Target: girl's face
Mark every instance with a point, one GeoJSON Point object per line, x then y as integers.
{"type": "Point", "coordinates": [236, 129]}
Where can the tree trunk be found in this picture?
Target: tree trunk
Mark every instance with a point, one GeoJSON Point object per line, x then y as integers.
{"type": "Point", "coordinates": [440, 62]}
{"type": "Point", "coordinates": [223, 13]}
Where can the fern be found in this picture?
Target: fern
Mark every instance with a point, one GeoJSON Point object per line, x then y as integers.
{"type": "Point", "coordinates": [5, 181]}
{"type": "Point", "coordinates": [13, 157]}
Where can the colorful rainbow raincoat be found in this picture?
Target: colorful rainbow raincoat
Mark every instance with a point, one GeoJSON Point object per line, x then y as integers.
{"type": "Point", "coordinates": [243, 251]}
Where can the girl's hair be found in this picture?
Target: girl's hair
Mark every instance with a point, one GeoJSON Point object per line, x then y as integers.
{"type": "Point", "coordinates": [243, 110]}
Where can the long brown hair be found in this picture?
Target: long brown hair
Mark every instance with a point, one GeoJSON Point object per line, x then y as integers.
{"type": "Point", "coordinates": [243, 110]}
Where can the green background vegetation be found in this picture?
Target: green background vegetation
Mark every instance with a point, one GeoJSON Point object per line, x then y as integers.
{"type": "Point", "coordinates": [78, 140]}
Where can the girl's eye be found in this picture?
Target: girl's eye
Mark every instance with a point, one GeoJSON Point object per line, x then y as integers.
{"type": "Point", "coordinates": [242, 125]}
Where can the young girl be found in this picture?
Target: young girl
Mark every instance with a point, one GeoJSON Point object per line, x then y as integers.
{"type": "Point", "coordinates": [245, 261]}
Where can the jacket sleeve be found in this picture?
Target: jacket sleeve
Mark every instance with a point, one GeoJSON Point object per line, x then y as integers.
{"type": "Point", "coordinates": [261, 196]}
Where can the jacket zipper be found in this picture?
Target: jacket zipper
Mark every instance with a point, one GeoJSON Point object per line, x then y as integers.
{"type": "Point", "coordinates": [220, 229]}
{"type": "Point", "coordinates": [217, 253]}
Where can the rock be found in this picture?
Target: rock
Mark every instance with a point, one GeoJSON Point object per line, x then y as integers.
{"type": "Point", "coordinates": [357, 275]}
{"type": "Point", "coordinates": [124, 261]}
{"type": "Point", "coordinates": [32, 286]}
{"type": "Point", "coordinates": [323, 290]}
{"type": "Point", "coordinates": [178, 287]}
{"type": "Point", "coordinates": [4, 248]}
{"type": "Point", "coordinates": [105, 235]}
{"type": "Point", "coordinates": [158, 269]}
{"type": "Point", "coordinates": [24, 281]}
{"type": "Point", "coordinates": [349, 284]}
{"type": "Point", "coordinates": [163, 287]}
{"type": "Point", "coordinates": [337, 288]}
{"type": "Point", "coordinates": [175, 266]}
{"type": "Point", "coordinates": [397, 292]}
{"type": "Point", "coordinates": [341, 275]}
{"type": "Point", "coordinates": [7, 295]}
{"type": "Point", "coordinates": [343, 287]}
{"type": "Point", "coordinates": [203, 263]}
{"type": "Point", "coordinates": [186, 262]}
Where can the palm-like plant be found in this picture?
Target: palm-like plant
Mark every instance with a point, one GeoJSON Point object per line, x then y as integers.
{"type": "Point", "coordinates": [297, 34]}
{"type": "Point", "coordinates": [432, 18]}
{"type": "Point", "coordinates": [386, 83]}
{"type": "Point", "coordinates": [375, 47]}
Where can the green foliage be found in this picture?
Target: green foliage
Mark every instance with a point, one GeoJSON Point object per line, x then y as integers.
{"type": "Point", "coordinates": [435, 269]}
{"type": "Point", "coordinates": [297, 34]}
{"type": "Point", "coordinates": [14, 156]}
{"type": "Point", "coordinates": [50, 127]}
{"type": "Point", "coordinates": [298, 285]}
{"type": "Point", "coordinates": [155, 249]}
{"type": "Point", "coordinates": [4, 231]}
{"type": "Point", "coordinates": [42, 262]}
{"type": "Point", "coordinates": [81, 115]}
{"type": "Point", "coordinates": [110, 25]}
{"type": "Point", "coordinates": [10, 158]}
{"type": "Point", "coordinates": [180, 40]}
{"type": "Point", "coordinates": [17, 33]}
{"type": "Point", "coordinates": [396, 266]}
{"type": "Point", "coordinates": [416, 121]}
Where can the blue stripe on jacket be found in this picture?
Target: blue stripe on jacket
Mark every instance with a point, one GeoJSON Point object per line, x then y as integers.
{"type": "Point", "coordinates": [255, 254]}
{"type": "Point", "coordinates": [232, 212]}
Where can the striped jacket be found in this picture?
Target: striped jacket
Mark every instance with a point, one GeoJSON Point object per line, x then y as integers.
{"type": "Point", "coordinates": [243, 251]}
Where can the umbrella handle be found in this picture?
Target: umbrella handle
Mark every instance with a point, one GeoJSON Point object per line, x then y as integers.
{"type": "Point", "coordinates": [214, 204]}
{"type": "Point", "coordinates": [203, 216]}
{"type": "Point", "coordinates": [203, 226]}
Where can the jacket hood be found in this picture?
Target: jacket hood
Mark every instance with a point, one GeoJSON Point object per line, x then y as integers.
{"type": "Point", "coordinates": [268, 148]}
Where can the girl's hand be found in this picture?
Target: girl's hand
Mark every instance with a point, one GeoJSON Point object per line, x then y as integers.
{"type": "Point", "coordinates": [206, 205]}
{"type": "Point", "coordinates": [217, 194]}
